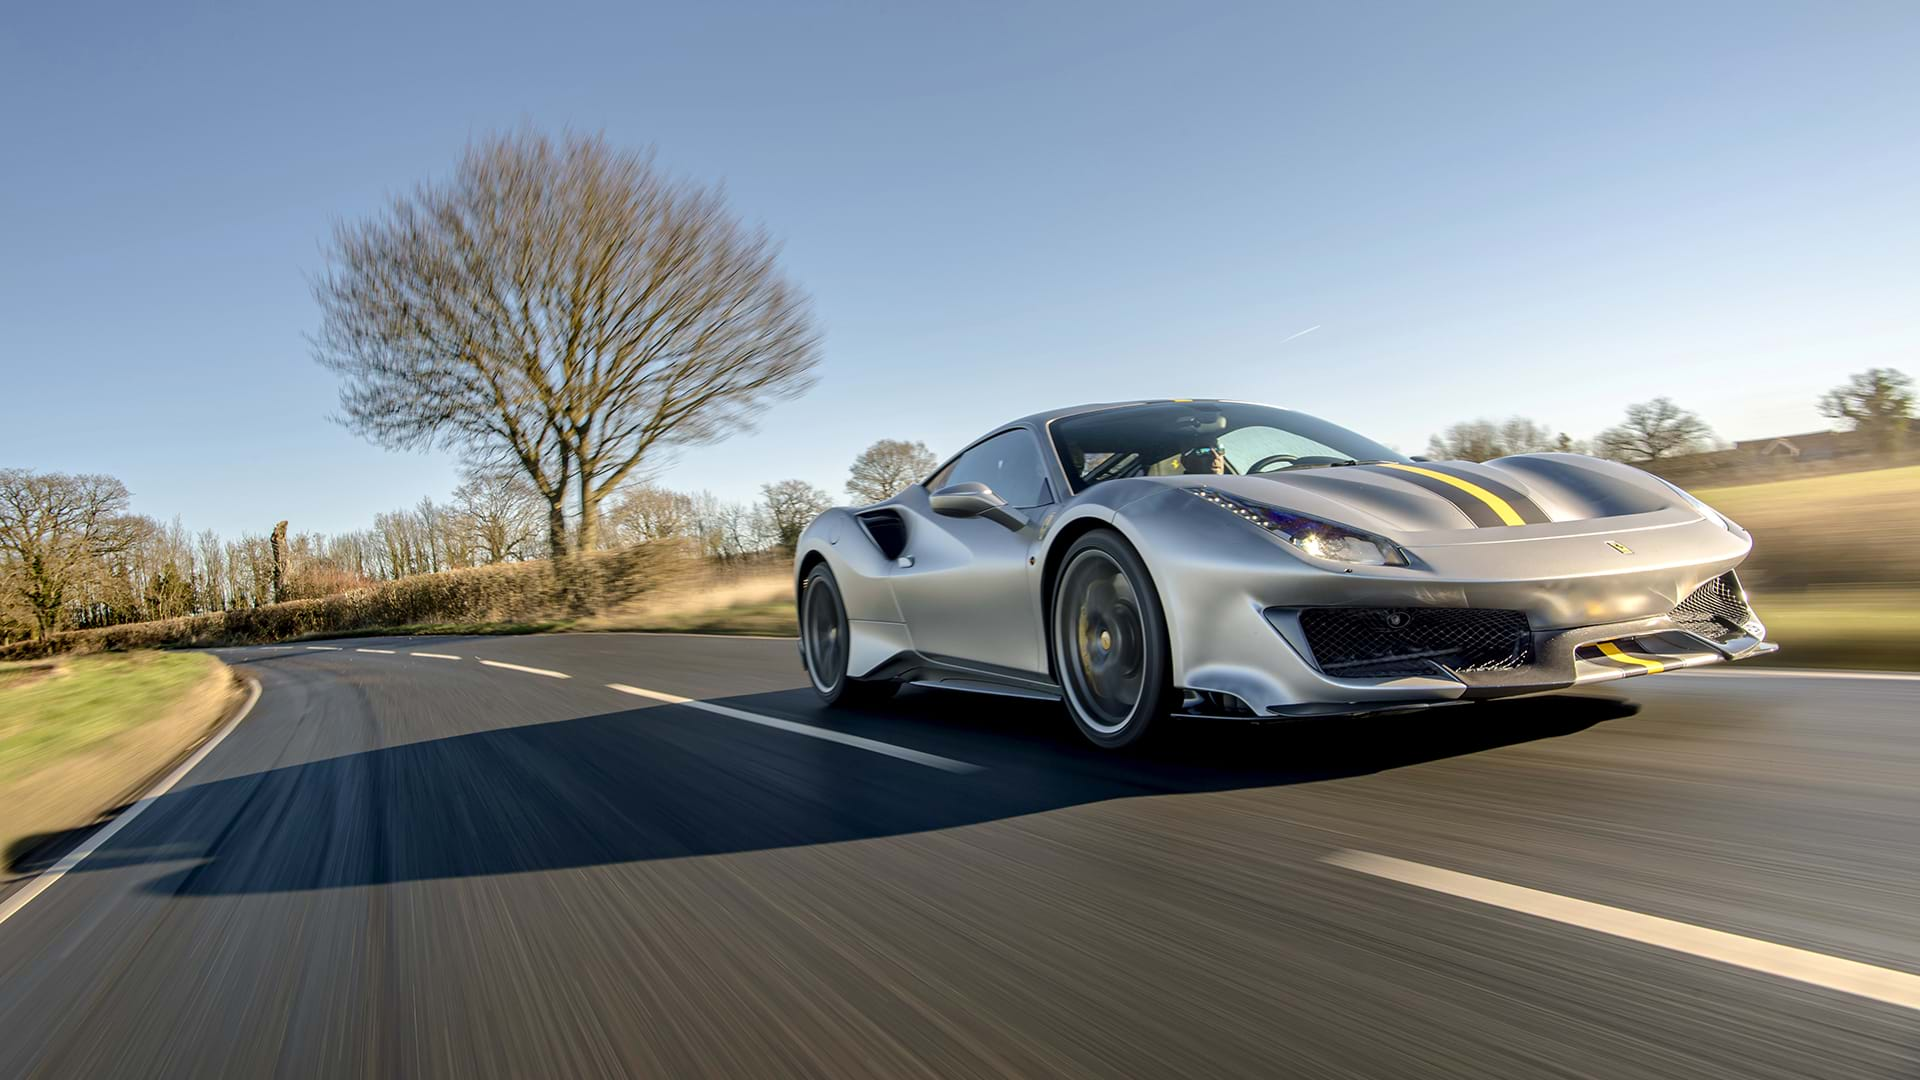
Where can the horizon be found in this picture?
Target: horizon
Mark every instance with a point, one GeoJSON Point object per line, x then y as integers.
{"type": "Point", "coordinates": [1718, 213]}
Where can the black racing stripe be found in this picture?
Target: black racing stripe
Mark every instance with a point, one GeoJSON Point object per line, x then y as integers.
{"type": "Point", "coordinates": [1528, 510]}
{"type": "Point", "coordinates": [1478, 512]}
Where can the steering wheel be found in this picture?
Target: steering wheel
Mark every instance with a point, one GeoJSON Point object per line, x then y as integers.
{"type": "Point", "coordinates": [1271, 459]}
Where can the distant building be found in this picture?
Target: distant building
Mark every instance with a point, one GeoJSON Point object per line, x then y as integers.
{"type": "Point", "coordinates": [1812, 446]}
{"type": "Point", "coordinates": [1778, 455]}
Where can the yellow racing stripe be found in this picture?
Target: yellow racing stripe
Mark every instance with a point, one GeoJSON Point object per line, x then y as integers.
{"type": "Point", "coordinates": [1499, 505]}
{"type": "Point", "coordinates": [1654, 667]}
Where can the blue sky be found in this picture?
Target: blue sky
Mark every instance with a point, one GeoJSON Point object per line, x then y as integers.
{"type": "Point", "coordinates": [1550, 209]}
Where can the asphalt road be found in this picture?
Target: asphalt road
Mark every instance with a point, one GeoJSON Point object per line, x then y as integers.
{"type": "Point", "coordinates": [405, 865]}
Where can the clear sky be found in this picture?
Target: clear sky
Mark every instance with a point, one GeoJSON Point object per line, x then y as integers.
{"type": "Point", "coordinates": [1552, 209]}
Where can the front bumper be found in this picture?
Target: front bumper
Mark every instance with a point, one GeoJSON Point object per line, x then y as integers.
{"type": "Point", "coordinates": [1561, 659]}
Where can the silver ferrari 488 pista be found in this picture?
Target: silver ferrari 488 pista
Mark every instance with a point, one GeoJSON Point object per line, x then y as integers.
{"type": "Point", "coordinates": [1220, 559]}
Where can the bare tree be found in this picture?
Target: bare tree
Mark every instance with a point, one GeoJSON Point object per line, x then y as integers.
{"type": "Point", "coordinates": [1654, 430]}
{"type": "Point", "coordinates": [564, 306]}
{"type": "Point", "coordinates": [791, 506]}
{"type": "Point", "coordinates": [501, 510]}
{"type": "Point", "coordinates": [1878, 403]}
{"type": "Point", "coordinates": [54, 530]}
{"type": "Point", "coordinates": [647, 513]}
{"type": "Point", "coordinates": [887, 468]}
{"type": "Point", "coordinates": [1484, 440]}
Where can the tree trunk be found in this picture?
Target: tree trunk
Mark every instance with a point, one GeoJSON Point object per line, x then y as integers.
{"type": "Point", "coordinates": [279, 562]}
{"type": "Point", "coordinates": [557, 528]}
{"type": "Point", "coordinates": [589, 538]}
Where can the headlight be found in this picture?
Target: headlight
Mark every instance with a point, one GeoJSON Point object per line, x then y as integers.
{"type": "Point", "coordinates": [1706, 511]}
{"type": "Point", "coordinates": [1320, 539]}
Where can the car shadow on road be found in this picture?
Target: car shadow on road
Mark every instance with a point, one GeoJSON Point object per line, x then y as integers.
{"type": "Point", "coordinates": [663, 783]}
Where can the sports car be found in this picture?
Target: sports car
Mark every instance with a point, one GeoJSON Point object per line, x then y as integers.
{"type": "Point", "coordinates": [1222, 559]}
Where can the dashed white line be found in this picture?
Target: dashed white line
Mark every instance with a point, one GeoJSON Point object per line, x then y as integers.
{"type": "Point", "coordinates": [931, 761]}
{"type": "Point", "coordinates": [382, 652]}
{"type": "Point", "coordinates": [324, 648]}
{"type": "Point", "coordinates": [1894, 987]}
{"type": "Point", "coordinates": [92, 843]}
{"type": "Point", "coordinates": [528, 670]}
{"type": "Point", "coordinates": [435, 655]}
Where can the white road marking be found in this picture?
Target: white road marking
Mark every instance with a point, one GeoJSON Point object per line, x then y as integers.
{"type": "Point", "coordinates": [435, 655]}
{"type": "Point", "coordinates": [383, 652]}
{"type": "Point", "coordinates": [528, 670]}
{"type": "Point", "coordinates": [92, 843]}
{"type": "Point", "coordinates": [931, 761]}
{"type": "Point", "coordinates": [1894, 987]}
{"type": "Point", "coordinates": [1783, 673]}
{"type": "Point", "coordinates": [324, 648]}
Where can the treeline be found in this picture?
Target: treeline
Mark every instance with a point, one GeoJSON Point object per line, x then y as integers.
{"type": "Point", "coordinates": [72, 556]}
{"type": "Point", "coordinates": [1878, 403]}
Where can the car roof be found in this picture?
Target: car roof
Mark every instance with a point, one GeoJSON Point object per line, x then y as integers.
{"type": "Point", "coordinates": [1041, 419]}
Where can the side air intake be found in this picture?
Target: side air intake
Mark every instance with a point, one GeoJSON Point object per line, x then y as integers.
{"type": "Point", "coordinates": [1716, 611]}
{"type": "Point", "coordinates": [887, 531]}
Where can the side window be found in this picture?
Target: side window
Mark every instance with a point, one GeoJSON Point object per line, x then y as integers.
{"type": "Point", "coordinates": [1009, 463]}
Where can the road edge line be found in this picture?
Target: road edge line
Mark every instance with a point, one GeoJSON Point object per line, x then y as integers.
{"type": "Point", "coordinates": [52, 874]}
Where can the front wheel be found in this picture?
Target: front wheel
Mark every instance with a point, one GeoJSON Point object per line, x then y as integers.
{"type": "Point", "coordinates": [824, 641]}
{"type": "Point", "coordinates": [1110, 641]}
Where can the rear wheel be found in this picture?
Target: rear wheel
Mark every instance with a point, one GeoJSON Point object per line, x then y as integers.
{"type": "Point", "coordinates": [1110, 641]}
{"type": "Point", "coordinates": [824, 643]}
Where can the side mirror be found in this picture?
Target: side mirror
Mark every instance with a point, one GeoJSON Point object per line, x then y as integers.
{"type": "Point", "coordinates": [976, 500]}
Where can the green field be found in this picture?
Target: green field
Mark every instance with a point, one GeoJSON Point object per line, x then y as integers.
{"type": "Point", "coordinates": [1850, 529]}
{"type": "Point", "coordinates": [79, 735]}
{"type": "Point", "coordinates": [53, 710]}
{"type": "Point", "coordinates": [1835, 570]}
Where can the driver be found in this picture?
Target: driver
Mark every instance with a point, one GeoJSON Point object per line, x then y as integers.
{"type": "Point", "coordinates": [1203, 460]}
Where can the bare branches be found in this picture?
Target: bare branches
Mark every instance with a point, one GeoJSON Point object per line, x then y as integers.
{"type": "Point", "coordinates": [887, 468]}
{"type": "Point", "coordinates": [791, 506]}
{"type": "Point", "coordinates": [1654, 430]}
{"type": "Point", "coordinates": [564, 304]}
{"type": "Point", "coordinates": [55, 529]}
{"type": "Point", "coordinates": [1484, 440]}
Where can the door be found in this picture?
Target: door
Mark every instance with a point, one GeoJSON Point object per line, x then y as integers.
{"type": "Point", "coordinates": [969, 594]}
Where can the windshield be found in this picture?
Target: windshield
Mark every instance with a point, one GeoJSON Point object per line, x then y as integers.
{"type": "Point", "coordinates": [1193, 437]}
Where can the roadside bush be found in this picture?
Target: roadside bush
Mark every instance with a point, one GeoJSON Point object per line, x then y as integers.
{"type": "Point", "coordinates": [507, 593]}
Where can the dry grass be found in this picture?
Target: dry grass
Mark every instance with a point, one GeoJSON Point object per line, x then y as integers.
{"type": "Point", "coordinates": [753, 600]}
{"type": "Point", "coordinates": [1849, 529]}
{"type": "Point", "coordinates": [1835, 571]}
{"type": "Point", "coordinates": [1871, 628]}
{"type": "Point", "coordinates": [81, 734]}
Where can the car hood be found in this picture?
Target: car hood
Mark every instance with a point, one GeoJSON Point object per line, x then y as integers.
{"type": "Point", "coordinates": [1508, 498]}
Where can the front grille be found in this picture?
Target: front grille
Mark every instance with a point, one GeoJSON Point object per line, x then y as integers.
{"type": "Point", "coordinates": [1716, 611]}
{"type": "Point", "coordinates": [1377, 643]}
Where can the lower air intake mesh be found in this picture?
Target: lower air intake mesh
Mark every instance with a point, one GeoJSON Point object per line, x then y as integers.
{"type": "Point", "coordinates": [1374, 643]}
{"type": "Point", "coordinates": [1716, 611]}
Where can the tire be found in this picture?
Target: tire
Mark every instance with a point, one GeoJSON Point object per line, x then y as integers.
{"type": "Point", "coordinates": [823, 644]}
{"type": "Point", "coordinates": [1109, 641]}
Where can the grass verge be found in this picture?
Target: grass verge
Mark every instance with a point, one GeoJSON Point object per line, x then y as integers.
{"type": "Point", "coordinates": [1865, 628]}
{"type": "Point", "coordinates": [80, 735]}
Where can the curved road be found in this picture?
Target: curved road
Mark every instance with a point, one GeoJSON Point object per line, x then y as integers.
{"type": "Point", "coordinates": [425, 865]}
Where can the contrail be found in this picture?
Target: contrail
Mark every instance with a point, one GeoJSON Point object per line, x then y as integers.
{"type": "Point", "coordinates": [1302, 333]}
